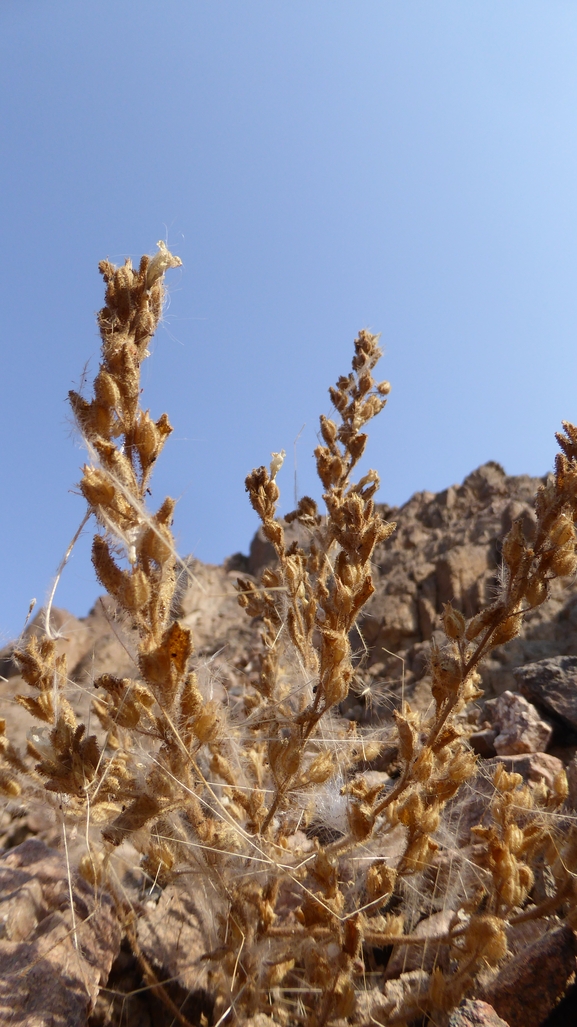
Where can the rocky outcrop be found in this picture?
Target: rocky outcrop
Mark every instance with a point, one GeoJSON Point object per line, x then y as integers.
{"type": "Point", "coordinates": [447, 548]}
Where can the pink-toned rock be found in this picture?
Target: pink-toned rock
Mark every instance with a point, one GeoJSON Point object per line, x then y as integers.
{"type": "Point", "coordinates": [517, 724]}
{"type": "Point", "coordinates": [529, 987]}
{"type": "Point", "coordinates": [209, 606]}
{"type": "Point", "coordinates": [476, 1013]}
{"type": "Point", "coordinates": [51, 964]}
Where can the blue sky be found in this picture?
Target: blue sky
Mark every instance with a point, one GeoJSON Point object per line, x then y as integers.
{"type": "Point", "coordinates": [405, 166]}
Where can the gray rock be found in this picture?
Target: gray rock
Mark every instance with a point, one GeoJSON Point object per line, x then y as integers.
{"type": "Point", "coordinates": [552, 685]}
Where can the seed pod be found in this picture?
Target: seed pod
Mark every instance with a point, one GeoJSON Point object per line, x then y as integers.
{"type": "Point", "coordinates": [108, 572]}
{"type": "Point", "coordinates": [9, 786]}
{"type": "Point", "coordinates": [480, 621]}
{"type": "Point", "coordinates": [336, 686]}
{"type": "Point", "coordinates": [330, 468]}
{"type": "Point", "coordinates": [453, 622]}
{"type": "Point", "coordinates": [562, 531]}
{"type": "Point", "coordinates": [273, 533]}
{"type": "Point", "coordinates": [141, 810]}
{"type": "Point", "coordinates": [284, 757]}
{"type": "Point", "coordinates": [321, 768]}
{"type": "Point", "coordinates": [361, 819]}
{"type": "Point", "coordinates": [191, 701]}
{"type": "Point", "coordinates": [106, 391]}
{"type": "Point", "coordinates": [136, 591]}
{"type": "Point", "coordinates": [96, 487]}
{"type": "Point", "coordinates": [147, 439]}
{"type": "Point", "coordinates": [357, 444]}
{"type": "Point", "coordinates": [560, 786]}
{"type": "Point", "coordinates": [343, 570]}
{"type": "Point", "coordinates": [407, 737]}
{"type": "Point", "coordinates": [514, 547]}
{"type": "Point", "coordinates": [447, 673]}
{"type": "Point", "coordinates": [221, 766]}
{"type": "Point", "coordinates": [206, 724]}
{"type": "Point", "coordinates": [536, 591]}
{"type": "Point", "coordinates": [564, 562]}
{"type": "Point", "coordinates": [526, 879]}
{"type": "Point", "coordinates": [486, 935]}
{"type": "Point", "coordinates": [462, 766]}
{"type": "Point", "coordinates": [507, 630]}
{"type": "Point", "coordinates": [344, 998]}
{"type": "Point", "coordinates": [328, 431]}
{"type": "Point", "coordinates": [380, 881]}
{"type": "Point", "coordinates": [419, 853]}
{"type": "Point", "coordinates": [514, 838]}
{"type": "Point", "coordinates": [423, 766]}
{"type": "Point", "coordinates": [505, 781]}
{"type": "Point", "coordinates": [338, 396]}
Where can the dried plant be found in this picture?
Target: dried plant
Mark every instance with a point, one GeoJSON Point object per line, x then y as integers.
{"type": "Point", "coordinates": [303, 865]}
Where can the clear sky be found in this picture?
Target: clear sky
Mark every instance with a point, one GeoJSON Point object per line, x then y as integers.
{"type": "Point", "coordinates": [320, 166]}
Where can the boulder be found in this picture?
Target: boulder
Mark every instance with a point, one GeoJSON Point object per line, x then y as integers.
{"type": "Point", "coordinates": [552, 685]}
{"type": "Point", "coordinates": [529, 987]}
{"type": "Point", "coordinates": [475, 1013]}
{"type": "Point", "coordinates": [517, 725]}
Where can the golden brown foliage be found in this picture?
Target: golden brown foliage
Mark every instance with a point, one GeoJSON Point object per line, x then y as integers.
{"type": "Point", "coordinates": [293, 911]}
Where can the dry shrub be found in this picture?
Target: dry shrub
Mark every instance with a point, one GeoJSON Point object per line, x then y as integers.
{"type": "Point", "coordinates": [303, 864]}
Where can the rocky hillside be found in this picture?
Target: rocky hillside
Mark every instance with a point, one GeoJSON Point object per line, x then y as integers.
{"type": "Point", "coordinates": [446, 547]}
